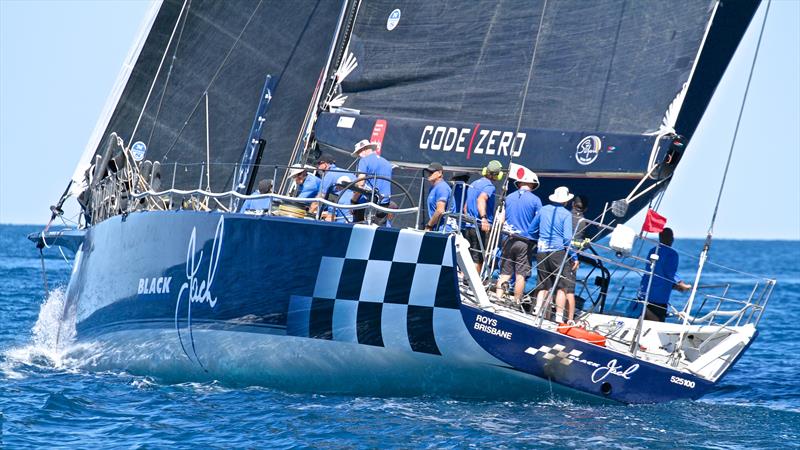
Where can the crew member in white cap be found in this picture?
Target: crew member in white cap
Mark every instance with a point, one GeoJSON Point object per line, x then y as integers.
{"type": "Point", "coordinates": [522, 206]}
{"type": "Point", "coordinates": [552, 228]}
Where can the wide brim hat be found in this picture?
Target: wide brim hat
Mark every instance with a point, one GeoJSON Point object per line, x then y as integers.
{"type": "Point", "coordinates": [362, 145]}
{"type": "Point", "coordinates": [296, 170]}
{"type": "Point", "coordinates": [561, 195]}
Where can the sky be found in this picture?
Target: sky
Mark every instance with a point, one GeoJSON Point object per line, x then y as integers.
{"type": "Point", "coordinates": [59, 61]}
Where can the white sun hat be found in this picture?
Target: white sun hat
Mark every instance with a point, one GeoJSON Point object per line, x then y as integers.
{"type": "Point", "coordinates": [363, 145]}
{"type": "Point", "coordinates": [296, 169]}
{"type": "Point", "coordinates": [561, 195]}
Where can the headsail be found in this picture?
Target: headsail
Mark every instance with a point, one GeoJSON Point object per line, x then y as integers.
{"type": "Point", "coordinates": [571, 89]}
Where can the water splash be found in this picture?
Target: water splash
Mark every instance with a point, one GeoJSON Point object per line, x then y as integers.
{"type": "Point", "coordinates": [51, 337]}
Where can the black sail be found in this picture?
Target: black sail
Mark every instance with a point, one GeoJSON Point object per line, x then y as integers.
{"type": "Point", "coordinates": [224, 48]}
{"type": "Point", "coordinates": [610, 68]}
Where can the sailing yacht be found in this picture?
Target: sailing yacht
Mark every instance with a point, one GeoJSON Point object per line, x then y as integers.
{"type": "Point", "coordinates": [172, 279]}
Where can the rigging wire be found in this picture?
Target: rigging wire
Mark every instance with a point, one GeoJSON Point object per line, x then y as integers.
{"type": "Point", "coordinates": [213, 79]}
{"type": "Point", "coordinates": [525, 91]}
{"type": "Point", "coordinates": [707, 245]}
{"type": "Point", "coordinates": [169, 74]}
{"type": "Point", "coordinates": [736, 130]}
{"type": "Point", "coordinates": [158, 71]}
{"type": "Point", "coordinates": [494, 234]}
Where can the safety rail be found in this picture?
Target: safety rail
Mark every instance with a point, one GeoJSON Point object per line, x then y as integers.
{"type": "Point", "coordinates": [113, 196]}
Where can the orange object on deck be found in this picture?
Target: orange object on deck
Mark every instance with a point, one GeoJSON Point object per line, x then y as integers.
{"type": "Point", "coordinates": [583, 334]}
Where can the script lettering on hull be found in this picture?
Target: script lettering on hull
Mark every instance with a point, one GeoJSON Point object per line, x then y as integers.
{"type": "Point", "coordinates": [196, 290]}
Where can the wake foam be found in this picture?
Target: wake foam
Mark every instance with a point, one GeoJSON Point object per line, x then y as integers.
{"type": "Point", "coordinates": [51, 337]}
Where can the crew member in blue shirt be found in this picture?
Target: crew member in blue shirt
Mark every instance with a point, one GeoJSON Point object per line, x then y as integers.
{"type": "Point", "coordinates": [440, 200]}
{"type": "Point", "coordinates": [521, 208]}
{"type": "Point", "coordinates": [307, 184]}
{"type": "Point", "coordinates": [370, 165]}
{"type": "Point", "coordinates": [331, 187]}
{"type": "Point", "coordinates": [665, 280]}
{"type": "Point", "coordinates": [552, 228]}
{"type": "Point", "coordinates": [259, 204]}
{"type": "Point", "coordinates": [480, 206]}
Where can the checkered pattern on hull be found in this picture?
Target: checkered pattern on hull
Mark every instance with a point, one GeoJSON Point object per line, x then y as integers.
{"type": "Point", "coordinates": [392, 289]}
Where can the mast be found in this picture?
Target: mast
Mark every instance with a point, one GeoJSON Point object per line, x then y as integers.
{"type": "Point", "coordinates": [328, 80]}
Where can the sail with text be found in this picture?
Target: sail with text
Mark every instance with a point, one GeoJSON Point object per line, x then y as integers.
{"type": "Point", "coordinates": [578, 89]}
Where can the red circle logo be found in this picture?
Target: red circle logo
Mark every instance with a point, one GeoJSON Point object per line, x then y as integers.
{"type": "Point", "coordinates": [520, 173]}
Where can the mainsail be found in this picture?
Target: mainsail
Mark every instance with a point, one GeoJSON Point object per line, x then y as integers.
{"type": "Point", "coordinates": [225, 51]}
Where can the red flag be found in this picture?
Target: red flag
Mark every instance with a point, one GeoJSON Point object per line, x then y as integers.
{"type": "Point", "coordinates": [653, 222]}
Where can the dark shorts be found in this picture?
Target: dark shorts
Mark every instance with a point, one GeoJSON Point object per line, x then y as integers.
{"type": "Point", "coordinates": [569, 278]}
{"type": "Point", "coordinates": [657, 313]}
{"type": "Point", "coordinates": [471, 235]}
{"type": "Point", "coordinates": [516, 257]}
{"type": "Point", "coordinates": [547, 266]}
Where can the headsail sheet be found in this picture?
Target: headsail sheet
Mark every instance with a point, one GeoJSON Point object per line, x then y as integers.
{"type": "Point", "coordinates": [225, 49]}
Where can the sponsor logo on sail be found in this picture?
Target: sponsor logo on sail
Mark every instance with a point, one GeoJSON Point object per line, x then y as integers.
{"type": "Point", "coordinates": [588, 149]}
{"type": "Point", "coordinates": [138, 149]}
{"type": "Point", "coordinates": [394, 19]}
{"type": "Point", "coordinates": [472, 141]}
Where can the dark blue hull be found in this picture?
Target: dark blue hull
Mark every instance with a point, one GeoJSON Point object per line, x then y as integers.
{"type": "Point", "coordinates": [318, 306]}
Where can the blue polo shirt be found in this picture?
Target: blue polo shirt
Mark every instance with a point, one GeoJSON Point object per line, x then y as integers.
{"type": "Point", "coordinates": [552, 227]}
{"type": "Point", "coordinates": [665, 275]}
{"type": "Point", "coordinates": [480, 186]}
{"type": "Point", "coordinates": [374, 164]}
{"type": "Point", "coordinates": [440, 192]}
{"type": "Point", "coordinates": [328, 186]}
{"type": "Point", "coordinates": [522, 206]}
{"type": "Point", "coordinates": [310, 187]}
{"type": "Point", "coordinates": [255, 204]}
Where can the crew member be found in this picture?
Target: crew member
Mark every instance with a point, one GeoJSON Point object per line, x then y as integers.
{"type": "Point", "coordinates": [371, 165]}
{"type": "Point", "coordinates": [440, 200]}
{"type": "Point", "coordinates": [307, 184]}
{"type": "Point", "coordinates": [665, 280]}
{"type": "Point", "coordinates": [259, 204]}
{"type": "Point", "coordinates": [480, 207]}
{"type": "Point", "coordinates": [552, 228]}
{"type": "Point", "coordinates": [579, 206]}
{"type": "Point", "coordinates": [521, 207]}
{"type": "Point", "coordinates": [333, 180]}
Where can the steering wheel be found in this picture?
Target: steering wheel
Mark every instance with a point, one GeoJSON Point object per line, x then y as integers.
{"type": "Point", "coordinates": [398, 199]}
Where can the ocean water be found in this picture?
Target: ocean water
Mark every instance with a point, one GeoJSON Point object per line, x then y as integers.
{"type": "Point", "coordinates": [46, 400]}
